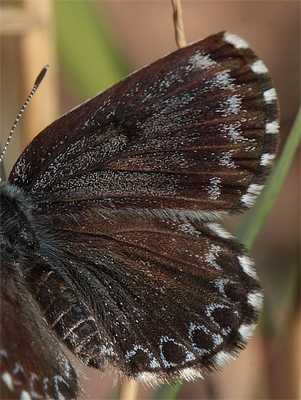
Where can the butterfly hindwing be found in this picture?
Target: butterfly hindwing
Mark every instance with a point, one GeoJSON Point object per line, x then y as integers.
{"type": "Point", "coordinates": [157, 296]}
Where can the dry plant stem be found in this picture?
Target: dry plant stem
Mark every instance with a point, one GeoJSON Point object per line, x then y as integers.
{"type": "Point", "coordinates": [178, 23]}
{"type": "Point", "coordinates": [128, 390]}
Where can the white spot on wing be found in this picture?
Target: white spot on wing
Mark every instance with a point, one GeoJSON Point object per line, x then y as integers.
{"type": "Point", "coordinates": [188, 228]}
{"type": "Point", "coordinates": [246, 331]}
{"type": "Point", "coordinates": [215, 188]}
{"type": "Point", "coordinates": [149, 378]}
{"type": "Point", "coordinates": [25, 395]}
{"type": "Point", "coordinates": [230, 106]}
{"type": "Point", "coordinates": [200, 61]}
{"type": "Point", "coordinates": [190, 374]}
{"type": "Point", "coordinates": [267, 159]}
{"type": "Point", "coordinates": [259, 68]}
{"type": "Point", "coordinates": [7, 379]}
{"type": "Point", "coordinates": [221, 232]}
{"type": "Point", "coordinates": [220, 285]}
{"type": "Point", "coordinates": [256, 300]}
{"type": "Point", "coordinates": [223, 80]}
{"type": "Point", "coordinates": [217, 339]}
{"type": "Point", "coordinates": [233, 131]}
{"type": "Point", "coordinates": [270, 95]}
{"type": "Point", "coordinates": [235, 40]}
{"type": "Point", "coordinates": [108, 350]}
{"type": "Point", "coordinates": [223, 357]}
{"type": "Point", "coordinates": [252, 193]}
{"type": "Point", "coordinates": [272, 127]}
{"type": "Point", "coordinates": [225, 159]}
{"type": "Point", "coordinates": [212, 255]}
{"type": "Point", "coordinates": [247, 265]}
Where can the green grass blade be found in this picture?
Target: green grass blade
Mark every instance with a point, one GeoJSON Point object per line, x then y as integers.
{"type": "Point", "coordinates": [253, 221]}
{"type": "Point", "coordinates": [85, 47]}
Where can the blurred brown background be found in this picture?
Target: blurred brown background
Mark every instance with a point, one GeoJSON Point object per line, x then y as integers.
{"type": "Point", "coordinates": [142, 32]}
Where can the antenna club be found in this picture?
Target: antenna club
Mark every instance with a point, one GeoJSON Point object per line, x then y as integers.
{"type": "Point", "coordinates": [41, 75]}
{"type": "Point", "coordinates": [35, 87]}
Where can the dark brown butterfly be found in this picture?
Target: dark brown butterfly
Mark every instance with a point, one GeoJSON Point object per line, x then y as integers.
{"type": "Point", "coordinates": [108, 245]}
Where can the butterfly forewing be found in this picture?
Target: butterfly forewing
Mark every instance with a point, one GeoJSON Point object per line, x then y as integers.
{"type": "Point", "coordinates": [111, 204]}
{"type": "Point", "coordinates": [187, 132]}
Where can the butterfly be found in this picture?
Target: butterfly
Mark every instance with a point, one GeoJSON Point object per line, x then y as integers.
{"type": "Point", "coordinates": [110, 249]}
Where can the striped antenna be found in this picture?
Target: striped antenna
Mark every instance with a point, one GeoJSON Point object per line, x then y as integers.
{"type": "Point", "coordinates": [34, 89]}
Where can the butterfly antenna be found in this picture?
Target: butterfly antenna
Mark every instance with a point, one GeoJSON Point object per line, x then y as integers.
{"type": "Point", "coordinates": [34, 89]}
